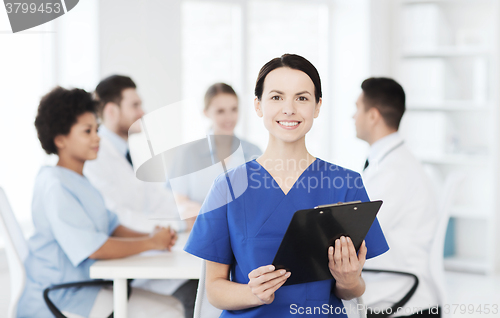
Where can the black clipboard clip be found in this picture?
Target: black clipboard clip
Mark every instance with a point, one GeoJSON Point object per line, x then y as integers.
{"type": "Point", "coordinates": [336, 204]}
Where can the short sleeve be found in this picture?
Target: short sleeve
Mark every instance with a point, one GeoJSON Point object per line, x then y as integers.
{"type": "Point", "coordinates": [72, 228]}
{"type": "Point", "coordinates": [209, 238]}
{"type": "Point", "coordinates": [376, 243]}
{"type": "Point", "coordinates": [113, 222]}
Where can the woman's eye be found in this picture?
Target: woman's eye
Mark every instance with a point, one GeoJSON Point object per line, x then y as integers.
{"type": "Point", "coordinates": [87, 131]}
{"type": "Point", "coordinates": [275, 98]}
{"type": "Point", "coordinates": [302, 98]}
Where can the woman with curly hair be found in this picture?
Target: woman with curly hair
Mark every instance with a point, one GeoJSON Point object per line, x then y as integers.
{"type": "Point", "coordinates": [73, 228]}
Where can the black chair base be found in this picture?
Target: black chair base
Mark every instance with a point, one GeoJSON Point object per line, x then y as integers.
{"type": "Point", "coordinates": [384, 313]}
{"type": "Point", "coordinates": [57, 313]}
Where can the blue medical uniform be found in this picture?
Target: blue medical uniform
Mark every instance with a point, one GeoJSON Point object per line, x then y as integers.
{"type": "Point", "coordinates": [247, 231]}
{"type": "Point", "coordinates": [71, 222]}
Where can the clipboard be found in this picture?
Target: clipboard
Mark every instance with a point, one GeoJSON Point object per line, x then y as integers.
{"type": "Point", "coordinates": [304, 248]}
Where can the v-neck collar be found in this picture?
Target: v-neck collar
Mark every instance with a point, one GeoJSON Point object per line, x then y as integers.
{"type": "Point", "coordinates": [293, 186]}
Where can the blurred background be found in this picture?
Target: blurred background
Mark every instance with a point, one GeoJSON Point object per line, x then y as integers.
{"type": "Point", "coordinates": [445, 53]}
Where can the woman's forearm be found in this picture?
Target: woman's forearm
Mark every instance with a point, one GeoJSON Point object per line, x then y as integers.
{"type": "Point", "coordinates": [123, 231]}
{"type": "Point", "coordinates": [225, 294]}
{"type": "Point", "coordinates": [228, 295]}
{"type": "Point", "coordinates": [350, 292]}
{"type": "Point", "coordinates": [118, 247]}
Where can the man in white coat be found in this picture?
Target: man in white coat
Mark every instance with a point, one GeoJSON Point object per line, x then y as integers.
{"type": "Point", "coordinates": [139, 205]}
{"type": "Point", "coordinates": [408, 215]}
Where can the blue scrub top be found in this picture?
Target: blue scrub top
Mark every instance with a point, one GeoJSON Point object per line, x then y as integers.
{"type": "Point", "coordinates": [247, 231]}
{"type": "Point", "coordinates": [71, 222]}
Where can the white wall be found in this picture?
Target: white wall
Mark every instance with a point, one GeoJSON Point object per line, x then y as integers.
{"type": "Point", "coordinates": [77, 49]}
{"type": "Point", "coordinates": [25, 75]}
{"type": "Point", "coordinates": [380, 37]}
{"type": "Point", "coordinates": [350, 66]}
{"type": "Point", "coordinates": [61, 52]}
{"type": "Point", "coordinates": [142, 39]}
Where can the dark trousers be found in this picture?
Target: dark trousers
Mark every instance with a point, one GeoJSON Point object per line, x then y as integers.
{"type": "Point", "coordinates": [187, 296]}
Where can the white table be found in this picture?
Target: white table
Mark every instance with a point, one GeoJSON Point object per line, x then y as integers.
{"type": "Point", "coordinates": [148, 265]}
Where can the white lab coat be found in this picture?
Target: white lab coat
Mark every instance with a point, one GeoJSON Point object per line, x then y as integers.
{"type": "Point", "coordinates": [139, 205]}
{"type": "Point", "coordinates": [408, 218]}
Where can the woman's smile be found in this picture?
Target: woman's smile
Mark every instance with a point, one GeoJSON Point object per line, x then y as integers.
{"type": "Point", "coordinates": [288, 124]}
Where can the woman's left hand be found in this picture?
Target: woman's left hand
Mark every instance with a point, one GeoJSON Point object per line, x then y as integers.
{"type": "Point", "coordinates": [344, 264]}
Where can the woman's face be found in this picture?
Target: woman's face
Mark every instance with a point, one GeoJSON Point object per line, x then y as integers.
{"type": "Point", "coordinates": [288, 105]}
{"type": "Point", "coordinates": [223, 112]}
{"type": "Point", "coordinates": [82, 141]}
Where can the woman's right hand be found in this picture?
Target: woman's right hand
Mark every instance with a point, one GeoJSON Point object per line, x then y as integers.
{"type": "Point", "coordinates": [163, 238]}
{"type": "Point", "coordinates": [265, 280]}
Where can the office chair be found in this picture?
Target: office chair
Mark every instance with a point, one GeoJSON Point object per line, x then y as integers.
{"type": "Point", "coordinates": [203, 308]}
{"type": "Point", "coordinates": [448, 194]}
{"type": "Point", "coordinates": [17, 252]}
{"type": "Point", "coordinates": [355, 308]}
{"type": "Point", "coordinates": [450, 189]}
{"type": "Point", "coordinates": [400, 303]}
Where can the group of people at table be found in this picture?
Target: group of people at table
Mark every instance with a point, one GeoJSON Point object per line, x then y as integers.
{"type": "Point", "coordinates": [91, 206]}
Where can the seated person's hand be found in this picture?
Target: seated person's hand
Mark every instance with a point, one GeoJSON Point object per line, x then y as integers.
{"type": "Point", "coordinates": [163, 238]}
{"type": "Point", "coordinates": [344, 264]}
{"type": "Point", "coordinates": [265, 280]}
{"type": "Point", "coordinates": [173, 237]}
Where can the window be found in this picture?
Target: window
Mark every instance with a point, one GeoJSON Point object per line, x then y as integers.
{"type": "Point", "coordinates": [224, 41]}
{"type": "Point", "coordinates": [26, 76]}
{"type": "Point", "coordinates": [37, 60]}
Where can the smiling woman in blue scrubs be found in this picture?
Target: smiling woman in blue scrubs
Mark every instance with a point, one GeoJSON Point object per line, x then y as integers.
{"type": "Point", "coordinates": [239, 231]}
{"type": "Point", "coordinates": [73, 228]}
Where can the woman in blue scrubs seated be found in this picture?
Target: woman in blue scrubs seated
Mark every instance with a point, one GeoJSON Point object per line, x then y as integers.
{"type": "Point", "coordinates": [246, 214]}
{"type": "Point", "coordinates": [72, 226]}
{"type": "Point", "coordinates": [221, 107]}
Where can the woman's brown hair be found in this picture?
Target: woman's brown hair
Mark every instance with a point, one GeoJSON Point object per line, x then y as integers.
{"type": "Point", "coordinates": [216, 89]}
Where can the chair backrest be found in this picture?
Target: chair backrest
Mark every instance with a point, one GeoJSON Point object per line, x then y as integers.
{"type": "Point", "coordinates": [203, 309]}
{"type": "Point", "coordinates": [449, 192]}
{"type": "Point", "coordinates": [16, 249]}
{"type": "Point", "coordinates": [355, 308]}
